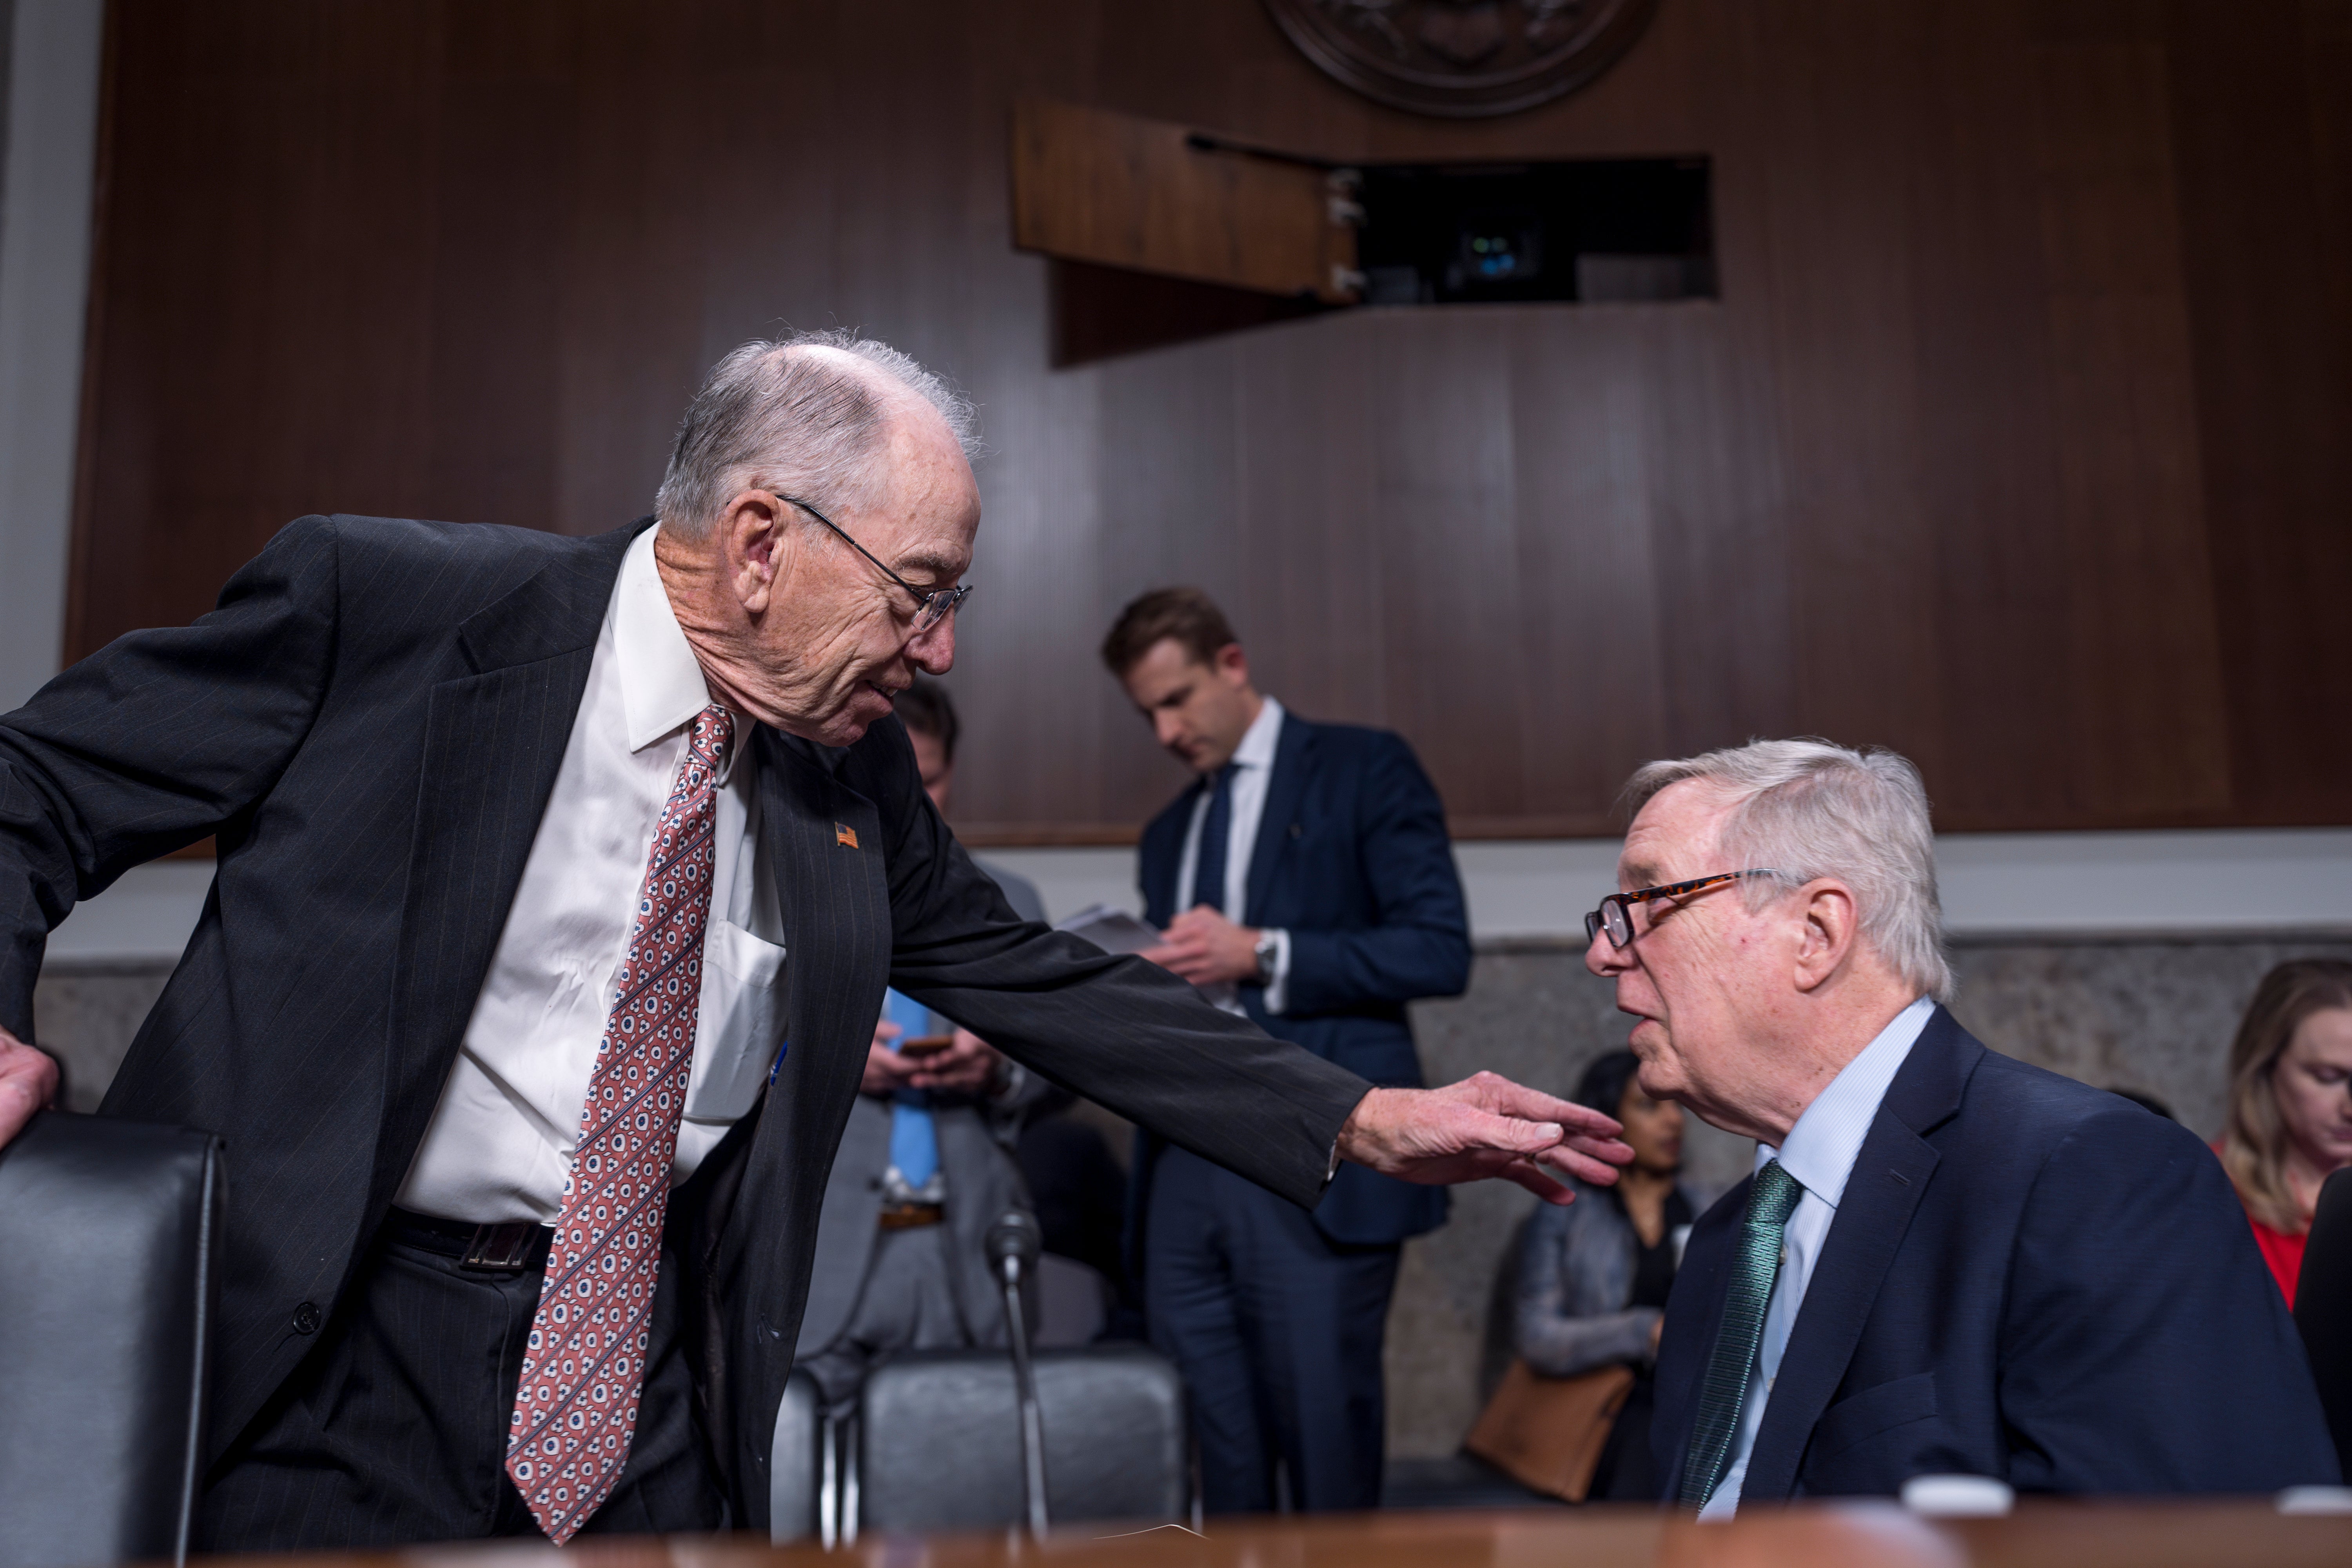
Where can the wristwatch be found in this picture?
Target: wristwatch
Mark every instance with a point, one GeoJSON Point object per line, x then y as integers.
{"type": "Point", "coordinates": [1265, 949]}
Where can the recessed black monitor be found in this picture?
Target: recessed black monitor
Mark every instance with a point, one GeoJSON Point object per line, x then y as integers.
{"type": "Point", "coordinates": [1615, 229]}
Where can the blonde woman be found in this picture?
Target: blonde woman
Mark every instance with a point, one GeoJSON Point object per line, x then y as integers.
{"type": "Point", "coordinates": [2290, 1104]}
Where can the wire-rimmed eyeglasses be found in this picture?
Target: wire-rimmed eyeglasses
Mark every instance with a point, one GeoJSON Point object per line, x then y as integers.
{"type": "Point", "coordinates": [930, 608]}
{"type": "Point", "coordinates": [1615, 914]}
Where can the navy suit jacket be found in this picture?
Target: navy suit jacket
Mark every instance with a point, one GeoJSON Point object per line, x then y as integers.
{"type": "Point", "coordinates": [2027, 1278]}
{"type": "Point", "coordinates": [1352, 860]}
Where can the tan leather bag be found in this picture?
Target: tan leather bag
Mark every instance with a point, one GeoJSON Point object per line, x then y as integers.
{"type": "Point", "coordinates": [1547, 1433]}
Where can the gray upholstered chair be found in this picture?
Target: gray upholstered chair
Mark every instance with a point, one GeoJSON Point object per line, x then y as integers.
{"type": "Point", "coordinates": [937, 1440]}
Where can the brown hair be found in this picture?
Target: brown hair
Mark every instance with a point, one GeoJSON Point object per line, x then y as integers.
{"type": "Point", "coordinates": [2253, 1142]}
{"type": "Point", "coordinates": [1188, 614]}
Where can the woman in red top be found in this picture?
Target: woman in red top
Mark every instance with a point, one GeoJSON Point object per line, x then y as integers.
{"type": "Point", "coordinates": [2290, 1104]}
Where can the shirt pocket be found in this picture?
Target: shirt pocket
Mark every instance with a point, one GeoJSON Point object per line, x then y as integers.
{"type": "Point", "coordinates": [742, 1013]}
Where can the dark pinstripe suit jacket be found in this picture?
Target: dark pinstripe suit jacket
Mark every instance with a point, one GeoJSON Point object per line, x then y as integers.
{"type": "Point", "coordinates": [371, 723]}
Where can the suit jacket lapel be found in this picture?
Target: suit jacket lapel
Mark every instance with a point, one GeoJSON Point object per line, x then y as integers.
{"type": "Point", "coordinates": [823, 844]}
{"type": "Point", "coordinates": [1293, 761]}
{"type": "Point", "coordinates": [494, 741]}
{"type": "Point", "coordinates": [1889, 1177]}
{"type": "Point", "coordinates": [825, 847]}
{"type": "Point", "coordinates": [1160, 856]}
{"type": "Point", "coordinates": [1694, 1311]}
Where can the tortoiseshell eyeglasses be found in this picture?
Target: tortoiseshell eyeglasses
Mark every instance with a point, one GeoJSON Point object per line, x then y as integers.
{"type": "Point", "coordinates": [1615, 914]}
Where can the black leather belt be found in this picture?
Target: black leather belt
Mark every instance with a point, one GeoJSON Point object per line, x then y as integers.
{"type": "Point", "coordinates": [506, 1247]}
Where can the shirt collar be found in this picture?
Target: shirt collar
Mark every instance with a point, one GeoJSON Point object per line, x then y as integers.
{"type": "Point", "coordinates": [662, 687]}
{"type": "Point", "coordinates": [1821, 1148]}
{"type": "Point", "coordinates": [1258, 741]}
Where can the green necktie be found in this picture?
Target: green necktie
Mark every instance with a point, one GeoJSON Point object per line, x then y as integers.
{"type": "Point", "coordinates": [1770, 1201]}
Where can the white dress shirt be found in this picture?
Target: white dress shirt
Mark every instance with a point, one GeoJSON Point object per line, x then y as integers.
{"type": "Point", "coordinates": [1253, 775]}
{"type": "Point", "coordinates": [499, 1144]}
{"type": "Point", "coordinates": [1819, 1154]}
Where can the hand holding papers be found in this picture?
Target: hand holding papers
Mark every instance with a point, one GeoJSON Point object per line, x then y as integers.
{"type": "Point", "coordinates": [1115, 930]}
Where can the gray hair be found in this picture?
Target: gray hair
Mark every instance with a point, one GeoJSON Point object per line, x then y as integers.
{"type": "Point", "coordinates": [1807, 809]}
{"type": "Point", "coordinates": [775, 415]}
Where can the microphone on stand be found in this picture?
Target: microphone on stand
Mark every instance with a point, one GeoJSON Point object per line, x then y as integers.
{"type": "Point", "coordinates": [1013, 1243]}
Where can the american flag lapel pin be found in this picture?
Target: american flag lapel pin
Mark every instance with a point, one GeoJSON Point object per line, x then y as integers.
{"type": "Point", "coordinates": [845, 835]}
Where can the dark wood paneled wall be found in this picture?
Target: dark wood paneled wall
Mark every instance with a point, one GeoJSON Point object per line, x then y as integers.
{"type": "Point", "coordinates": [2020, 439]}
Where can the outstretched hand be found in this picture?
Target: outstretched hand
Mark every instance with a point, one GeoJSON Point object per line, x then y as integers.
{"type": "Point", "coordinates": [1484, 1126]}
{"type": "Point", "coordinates": [28, 1082]}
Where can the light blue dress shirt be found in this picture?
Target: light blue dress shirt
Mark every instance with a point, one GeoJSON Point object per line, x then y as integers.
{"type": "Point", "coordinates": [1821, 1152]}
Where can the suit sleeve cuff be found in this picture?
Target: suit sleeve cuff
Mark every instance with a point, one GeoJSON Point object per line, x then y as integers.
{"type": "Point", "coordinates": [1277, 975]}
{"type": "Point", "coordinates": [1332, 1165]}
{"type": "Point", "coordinates": [1008, 1088]}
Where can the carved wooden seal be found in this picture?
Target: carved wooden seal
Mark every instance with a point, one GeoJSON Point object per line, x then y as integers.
{"type": "Point", "coordinates": [1463, 58]}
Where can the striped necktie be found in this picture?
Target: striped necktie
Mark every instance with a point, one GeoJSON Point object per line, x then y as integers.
{"type": "Point", "coordinates": [1771, 1199]}
{"type": "Point", "coordinates": [584, 1365]}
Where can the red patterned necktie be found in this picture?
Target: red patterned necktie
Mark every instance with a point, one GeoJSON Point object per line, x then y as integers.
{"type": "Point", "coordinates": [576, 1407]}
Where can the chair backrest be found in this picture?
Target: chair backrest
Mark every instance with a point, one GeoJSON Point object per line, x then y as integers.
{"type": "Point", "coordinates": [2322, 1308]}
{"type": "Point", "coordinates": [107, 1233]}
{"type": "Point", "coordinates": [1073, 1302]}
{"type": "Point", "coordinates": [939, 1440]}
{"type": "Point", "coordinates": [800, 1466]}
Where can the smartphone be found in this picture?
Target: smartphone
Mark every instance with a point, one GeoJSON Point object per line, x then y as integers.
{"type": "Point", "coordinates": [925, 1045]}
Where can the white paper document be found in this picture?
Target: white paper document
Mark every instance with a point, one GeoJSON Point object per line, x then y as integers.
{"type": "Point", "coordinates": [1112, 930]}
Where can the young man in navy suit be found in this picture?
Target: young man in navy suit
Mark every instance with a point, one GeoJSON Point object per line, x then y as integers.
{"type": "Point", "coordinates": [1305, 880]}
{"type": "Point", "coordinates": [1946, 1261]}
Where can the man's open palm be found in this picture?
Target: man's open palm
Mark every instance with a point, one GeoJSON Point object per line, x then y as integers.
{"type": "Point", "coordinates": [1483, 1127]}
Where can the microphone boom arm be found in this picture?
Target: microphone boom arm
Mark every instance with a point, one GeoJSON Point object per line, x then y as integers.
{"type": "Point", "coordinates": [1013, 1244]}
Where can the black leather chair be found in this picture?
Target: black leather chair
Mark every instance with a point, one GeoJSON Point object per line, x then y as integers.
{"type": "Point", "coordinates": [108, 1235]}
{"type": "Point", "coordinates": [2322, 1308]}
{"type": "Point", "coordinates": [938, 1443]}
{"type": "Point", "coordinates": [802, 1482]}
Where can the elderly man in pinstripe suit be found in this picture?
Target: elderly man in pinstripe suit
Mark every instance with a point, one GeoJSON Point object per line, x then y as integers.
{"type": "Point", "coordinates": [559, 882]}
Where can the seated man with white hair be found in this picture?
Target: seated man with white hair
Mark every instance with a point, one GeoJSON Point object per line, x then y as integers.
{"type": "Point", "coordinates": [1946, 1261]}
